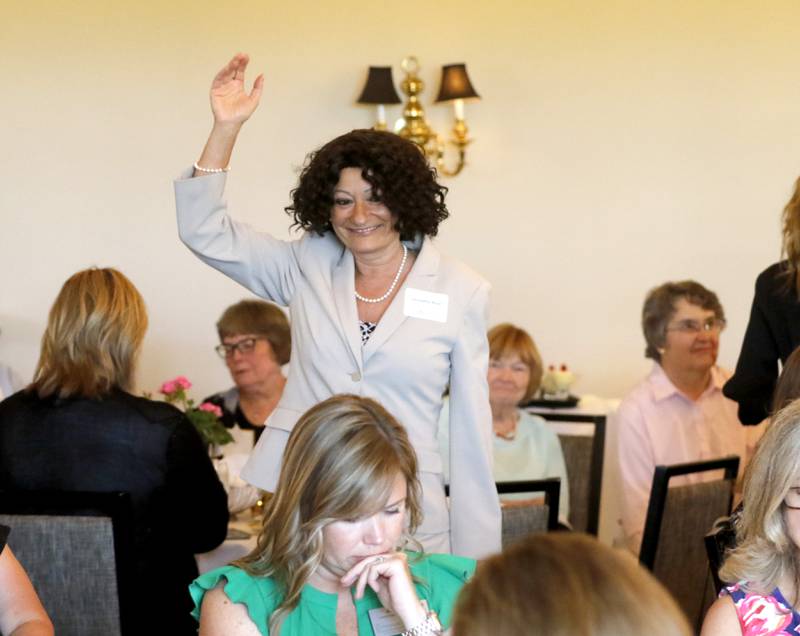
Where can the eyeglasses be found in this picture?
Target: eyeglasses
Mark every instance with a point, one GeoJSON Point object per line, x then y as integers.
{"type": "Point", "coordinates": [516, 367]}
{"type": "Point", "coordinates": [713, 325]}
{"type": "Point", "coordinates": [244, 346]}
{"type": "Point", "coordinates": [792, 499]}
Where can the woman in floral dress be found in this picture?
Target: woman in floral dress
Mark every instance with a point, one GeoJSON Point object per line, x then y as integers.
{"type": "Point", "coordinates": [763, 571]}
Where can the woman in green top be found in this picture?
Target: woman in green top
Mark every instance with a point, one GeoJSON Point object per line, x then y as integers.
{"type": "Point", "coordinates": [330, 557]}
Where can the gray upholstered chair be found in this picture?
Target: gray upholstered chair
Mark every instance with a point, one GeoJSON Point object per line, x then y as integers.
{"type": "Point", "coordinates": [77, 551]}
{"type": "Point", "coordinates": [520, 521]}
{"type": "Point", "coordinates": [678, 519]}
{"type": "Point", "coordinates": [583, 455]}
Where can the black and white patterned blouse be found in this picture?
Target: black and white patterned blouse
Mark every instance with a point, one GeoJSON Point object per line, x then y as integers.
{"type": "Point", "coordinates": [366, 330]}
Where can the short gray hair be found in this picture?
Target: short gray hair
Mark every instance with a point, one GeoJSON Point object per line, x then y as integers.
{"type": "Point", "coordinates": [659, 308]}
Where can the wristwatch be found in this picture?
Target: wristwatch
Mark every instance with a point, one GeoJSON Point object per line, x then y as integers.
{"type": "Point", "coordinates": [429, 627]}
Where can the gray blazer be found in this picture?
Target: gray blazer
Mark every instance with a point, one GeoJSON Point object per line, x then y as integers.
{"type": "Point", "coordinates": [407, 364]}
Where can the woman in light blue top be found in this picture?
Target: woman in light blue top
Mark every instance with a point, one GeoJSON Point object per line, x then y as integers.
{"type": "Point", "coordinates": [524, 446]}
{"type": "Point", "coordinates": [331, 556]}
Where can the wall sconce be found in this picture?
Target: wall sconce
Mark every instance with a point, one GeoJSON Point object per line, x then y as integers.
{"type": "Point", "coordinates": [455, 87]}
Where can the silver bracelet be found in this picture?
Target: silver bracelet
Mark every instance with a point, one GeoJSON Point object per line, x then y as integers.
{"type": "Point", "coordinates": [211, 170]}
{"type": "Point", "coordinates": [429, 627]}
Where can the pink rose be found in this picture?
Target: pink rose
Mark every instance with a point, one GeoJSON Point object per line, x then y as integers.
{"type": "Point", "coordinates": [211, 408]}
{"type": "Point", "coordinates": [170, 386]}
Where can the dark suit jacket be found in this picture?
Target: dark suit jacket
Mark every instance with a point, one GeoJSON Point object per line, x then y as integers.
{"type": "Point", "coordinates": [126, 443]}
{"type": "Point", "coordinates": [772, 334]}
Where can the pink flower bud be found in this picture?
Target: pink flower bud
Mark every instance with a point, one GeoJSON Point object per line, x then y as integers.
{"type": "Point", "coordinates": [182, 382]}
{"type": "Point", "coordinates": [211, 408]}
{"type": "Point", "coordinates": [168, 387]}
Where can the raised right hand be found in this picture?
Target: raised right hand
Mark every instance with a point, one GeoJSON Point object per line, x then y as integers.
{"type": "Point", "coordinates": [230, 103]}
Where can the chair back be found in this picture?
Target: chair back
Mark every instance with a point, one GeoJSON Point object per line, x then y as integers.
{"type": "Point", "coordinates": [677, 521]}
{"type": "Point", "coordinates": [77, 550]}
{"type": "Point", "coordinates": [718, 542]}
{"type": "Point", "coordinates": [583, 455]}
{"type": "Point", "coordinates": [520, 520]}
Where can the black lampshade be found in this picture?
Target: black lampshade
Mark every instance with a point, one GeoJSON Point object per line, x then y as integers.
{"type": "Point", "coordinates": [455, 83]}
{"type": "Point", "coordinates": [379, 88]}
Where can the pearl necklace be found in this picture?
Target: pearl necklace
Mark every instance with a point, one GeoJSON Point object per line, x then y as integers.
{"type": "Point", "coordinates": [388, 293]}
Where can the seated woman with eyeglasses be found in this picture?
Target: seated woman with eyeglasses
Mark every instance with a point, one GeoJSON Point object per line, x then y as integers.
{"type": "Point", "coordinates": [678, 412]}
{"type": "Point", "coordinates": [255, 342]}
{"type": "Point", "coordinates": [763, 570]}
{"type": "Point", "coordinates": [331, 557]}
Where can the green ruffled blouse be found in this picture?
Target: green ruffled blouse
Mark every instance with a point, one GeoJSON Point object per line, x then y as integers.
{"type": "Point", "coordinates": [438, 580]}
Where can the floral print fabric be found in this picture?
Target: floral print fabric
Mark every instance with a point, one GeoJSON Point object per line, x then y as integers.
{"type": "Point", "coordinates": [763, 615]}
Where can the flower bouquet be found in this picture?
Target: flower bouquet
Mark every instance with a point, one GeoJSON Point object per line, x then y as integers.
{"type": "Point", "coordinates": [205, 417]}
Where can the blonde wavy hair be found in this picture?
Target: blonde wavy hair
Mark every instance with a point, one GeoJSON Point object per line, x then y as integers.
{"type": "Point", "coordinates": [562, 584]}
{"type": "Point", "coordinates": [790, 248]}
{"type": "Point", "coordinates": [506, 340]}
{"type": "Point", "coordinates": [93, 335]}
{"type": "Point", "coordinates": [765, 553]}
{"type": "Point", "coordinates": [341, 462]}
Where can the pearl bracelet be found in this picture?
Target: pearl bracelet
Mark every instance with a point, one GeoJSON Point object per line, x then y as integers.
{"type": "Point", "coordinates": [429, 627]}
{"type": "Point", "coordinates": [211, 170]}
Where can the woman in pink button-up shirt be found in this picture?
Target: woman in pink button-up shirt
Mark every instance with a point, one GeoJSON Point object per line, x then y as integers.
{"type": "Point", "coordinates": [678, 412]}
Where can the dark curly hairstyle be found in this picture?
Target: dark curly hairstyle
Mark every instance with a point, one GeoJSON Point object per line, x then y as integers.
{"type": "Point", "coordinates": [396, 169]}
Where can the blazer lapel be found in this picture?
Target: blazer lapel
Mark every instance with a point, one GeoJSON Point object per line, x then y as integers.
{"type": "Point", "coordinates": [344, 298]}
{"type": "Point", "coordinates": [421, 276]}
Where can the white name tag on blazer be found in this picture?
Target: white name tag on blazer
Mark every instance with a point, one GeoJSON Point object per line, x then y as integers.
{"type": "Point", "coordinates": [426, 305]}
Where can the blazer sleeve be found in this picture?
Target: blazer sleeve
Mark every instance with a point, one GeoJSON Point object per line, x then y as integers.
{"type": "Point", "coordinates": [266, 266]}
{"type": "Point", "coordinates": [474, 505]}
{"type": "Point", "coordinates": [753, 382]}
{"type": "Point", "coordinates": [194, 491]}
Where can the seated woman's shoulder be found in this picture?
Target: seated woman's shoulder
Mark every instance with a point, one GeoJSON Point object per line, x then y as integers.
{"type": "Point", "coordinates": [533, 421]}
{"type": "Point", "coordinates": [153, 410]}
{"type": "Point", "coordinates": [721, 619]}
{"type": "Point", "coordinates": [434, 566]}
{"type": "Point", "coordinates": [257, 594]}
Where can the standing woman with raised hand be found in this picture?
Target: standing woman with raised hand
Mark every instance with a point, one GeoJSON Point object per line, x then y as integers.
{"type": "Point", "coordinates": [773, 331]}
{"type": "Point", "coordinates": [376, 310]}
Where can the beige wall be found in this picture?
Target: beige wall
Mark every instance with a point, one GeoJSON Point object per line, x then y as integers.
{"type": "Point", "coordinates": [618, 144]}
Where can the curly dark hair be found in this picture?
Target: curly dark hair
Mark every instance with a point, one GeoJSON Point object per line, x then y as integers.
{"type": "Point", "coordinates": [396, 169]}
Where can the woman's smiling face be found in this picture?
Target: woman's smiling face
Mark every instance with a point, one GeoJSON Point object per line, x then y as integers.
{"type": "Point", "coordinates": [361, 221]}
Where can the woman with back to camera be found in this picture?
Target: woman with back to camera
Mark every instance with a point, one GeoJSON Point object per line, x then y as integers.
{"type": "Point", "coordinates": [331, 555]}
{"type": "Point", "coordinates": [255, 342]}
{"type": "Point", "coordinates": [375, 308]}
{"type": "Point", "coordinates": [565, 584]}
{"type": "Point", "coordinates": [773, 330]}
{"type": "Point", "coordinates": [78, 427]}
{"type": "Point", "coordinates": [763, 570]}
